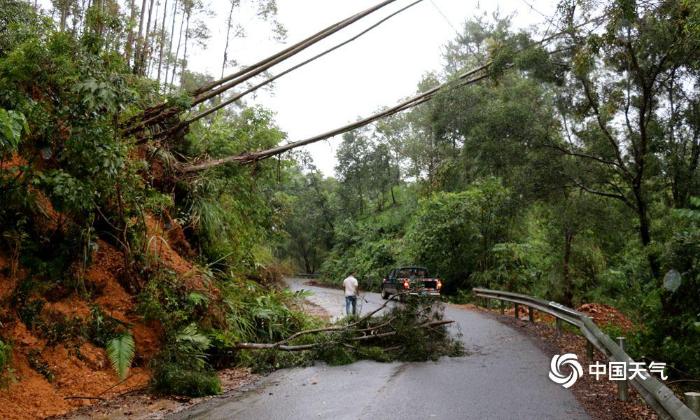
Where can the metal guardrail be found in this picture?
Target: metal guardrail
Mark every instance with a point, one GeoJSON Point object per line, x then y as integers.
{"type": "Point", "coordinates": [654, 392]}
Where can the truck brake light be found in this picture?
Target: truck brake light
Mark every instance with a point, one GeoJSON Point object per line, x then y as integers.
{"type": "Point", "coordinates": [405, 284]}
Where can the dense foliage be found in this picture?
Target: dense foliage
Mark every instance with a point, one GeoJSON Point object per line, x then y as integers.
{"type": "Point", "coordinates": [571, 174]}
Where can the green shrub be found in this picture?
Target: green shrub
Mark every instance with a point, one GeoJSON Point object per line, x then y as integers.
{"type": "Point", "coordinates": [38, 363]}
{"type": "Point", "coordinates": [172, 378]}
{"type": "Point", "coordinates": [102, 328]}
{"type": "Point", "coordinates": [57, 328]}
{"type": "Point", "coordinates": [121, 351]}
{"type": "Point", "coordinates": [181, 368]}
{"type": "Point", "coordinates": [5, 362]}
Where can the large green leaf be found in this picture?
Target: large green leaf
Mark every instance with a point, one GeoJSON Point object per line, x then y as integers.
{"type": "Point", "coordinates": [120, 351]}
{"type": "Point", "coordinates": [12, 123]}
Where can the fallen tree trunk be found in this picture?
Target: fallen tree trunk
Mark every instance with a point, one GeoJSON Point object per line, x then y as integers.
{"type": "Point", "coordinates": [304, 347]}
{"type": "Point", "coordinates": [407, 104]}
{"type": "Point", "coordinates": [237, 97]}
{"type": "Point", "coordinates": [412, 331]}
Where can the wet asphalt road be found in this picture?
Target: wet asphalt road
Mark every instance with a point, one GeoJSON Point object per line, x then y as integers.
{"type": "Point", "coordinates": [503, 376]}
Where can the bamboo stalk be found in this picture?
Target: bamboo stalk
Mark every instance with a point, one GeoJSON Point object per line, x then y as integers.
{"type": "Point", "coordinates": [265, 154]}
{"type": "Point", "coordinates": [208, 91]}
{"type": "Point", "coordinates": [291, 69]}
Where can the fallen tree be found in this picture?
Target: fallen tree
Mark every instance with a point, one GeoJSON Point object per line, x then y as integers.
{"type": "Point", "coordinates": [165, 113]}
{"type": "Point", "coordinates": [414, 331]}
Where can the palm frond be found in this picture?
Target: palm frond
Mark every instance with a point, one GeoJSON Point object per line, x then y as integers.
{"type": "Point", "coordinates": [121, 351]}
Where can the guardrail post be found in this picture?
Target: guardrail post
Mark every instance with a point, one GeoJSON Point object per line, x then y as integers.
{"type": "Point", "coordinates": [517, 308]}
{"type": "Point", "coordinates": [503, 307]}
{"type": "Point", "coordinates": [531, 314]}
{"type": "Point", "coordinates": [558, 325]}
{"type": "Point", "coordinates": [622, 386]}
{"type": "Point", "coordinates": [692, 399]}
{"type": "Point", "coordinates": [589, 350]}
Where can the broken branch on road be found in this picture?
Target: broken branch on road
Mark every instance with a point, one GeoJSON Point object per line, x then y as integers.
{"type": "Point", "coordinates": [414, 331]}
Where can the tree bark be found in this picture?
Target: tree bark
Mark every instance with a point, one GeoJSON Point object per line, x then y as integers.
{"type": "Point", "coordinates": [140, 65]}
{"type": "Point", "coordinates": [129, 47]}
{"type": "Point", "coordinates": [139, 38]}
{"type": "Point", "coordinates": [152, 40]}
{"type": "Point", "coordinates": [568, 287]}
{"type": "Point", "coordinates": [184, 55]}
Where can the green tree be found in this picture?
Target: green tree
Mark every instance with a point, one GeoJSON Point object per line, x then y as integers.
{"type": "Point", "coordinates": [614, 103]}
{"type": "Point", "coordinates": [453, 233]}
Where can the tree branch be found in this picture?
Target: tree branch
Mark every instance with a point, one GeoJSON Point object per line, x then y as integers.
{"type": "Point", "coordinates": [603, 126]}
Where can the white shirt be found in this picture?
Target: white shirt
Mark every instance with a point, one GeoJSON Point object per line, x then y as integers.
{"type": "Point", "coordinates": [350, 285]}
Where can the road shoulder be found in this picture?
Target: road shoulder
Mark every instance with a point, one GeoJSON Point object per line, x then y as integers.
{"type": "Point", "coordinates": [599, 398]}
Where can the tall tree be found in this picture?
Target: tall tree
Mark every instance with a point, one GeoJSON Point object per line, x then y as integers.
{"type": "Point", "coordinates": [229, 22]}
{"type": "Point", "coordinates": [139, 37]}
{"type": "Point", "coordinates": [189, 6]}
{"type": "Point", "coordinates": [170, 44]}
{"type": "Point", "coordinates": [615, 91]}
{"type": "Point", "coordinates": [129, 47]}
{"type": "Point", "coordinates": [161, 40]}
{"type": "Point", "coordinates": [177, 50]}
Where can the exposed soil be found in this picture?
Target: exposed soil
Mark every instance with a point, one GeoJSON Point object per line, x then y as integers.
{"type": "Point", "coordinates": [317, 283]}
{"type": "Point", "coordinates": [599, 397]}
{"type": "Point", "coordinates": [142, 405]}
{"type": "Point", "coordinates": [314, 310]}
{"type": "Point", "coordinates": [604, 315]}
{"type": "Point", "coordinates": [14, 161]}
{"type": "Point", "coordinates": [81, 371]}
{"type": "Point", "coordinates": [162, 252]}
{"type": "Point", "coordinates": [50, 380]}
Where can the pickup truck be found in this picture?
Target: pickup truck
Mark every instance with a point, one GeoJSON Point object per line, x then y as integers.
{"type": "Point", "coordinates": [414, 280]}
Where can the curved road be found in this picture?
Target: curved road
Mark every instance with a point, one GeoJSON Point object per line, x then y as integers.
{"type": "Point", "coordinates": [503, 376]}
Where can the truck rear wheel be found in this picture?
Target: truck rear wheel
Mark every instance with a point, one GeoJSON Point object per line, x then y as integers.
{"type": "Point", "coordinates": [385, 294]}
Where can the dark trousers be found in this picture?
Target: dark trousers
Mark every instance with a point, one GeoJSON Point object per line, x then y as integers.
{"type": "Point", "coordinates": [350, 300]}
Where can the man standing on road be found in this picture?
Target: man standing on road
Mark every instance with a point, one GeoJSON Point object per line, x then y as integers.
{"type": "Point", "coordinates": [351, 289]}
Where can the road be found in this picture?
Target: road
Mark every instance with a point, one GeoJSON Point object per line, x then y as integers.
{"type": "Point", "coordinates": [504, 375]}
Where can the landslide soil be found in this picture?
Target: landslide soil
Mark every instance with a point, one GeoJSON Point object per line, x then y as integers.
{"type": "Point", "coordinates": [79, 374]}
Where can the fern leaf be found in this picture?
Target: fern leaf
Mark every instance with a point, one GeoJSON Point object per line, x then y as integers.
{"type": "Point", "coordinates": [121, 351]}
{"type": "Point", "coordinates": [192, 335]}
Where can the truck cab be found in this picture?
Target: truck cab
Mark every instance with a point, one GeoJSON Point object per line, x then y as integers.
{"type": "Point", "coordinates": [410, 280]}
